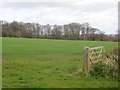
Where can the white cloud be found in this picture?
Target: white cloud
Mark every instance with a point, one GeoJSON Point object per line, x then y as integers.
{"type": "Point", "coordinates": [101, 14]}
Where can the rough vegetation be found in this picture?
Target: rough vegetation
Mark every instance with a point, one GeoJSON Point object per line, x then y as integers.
{"type": "Point", "coordinates": [108, 66]}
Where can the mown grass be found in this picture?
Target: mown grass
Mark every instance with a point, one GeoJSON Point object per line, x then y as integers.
{"type": "Point", "coordinates": [40, 63]}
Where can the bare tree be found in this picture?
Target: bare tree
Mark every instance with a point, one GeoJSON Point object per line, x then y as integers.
{"type": "Point", "coordinates": [56, 32]}
{"type": "Point", "coordinates": [66, 32]}
{"type": "Point", "coordinates": [74, 31]}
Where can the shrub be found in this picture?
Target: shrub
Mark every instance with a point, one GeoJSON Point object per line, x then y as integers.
{"type": "Point", "coordinates": [101, 68]}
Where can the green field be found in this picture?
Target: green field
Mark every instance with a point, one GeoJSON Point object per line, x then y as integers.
{"type": "Point", "coordinates": [40, 63]}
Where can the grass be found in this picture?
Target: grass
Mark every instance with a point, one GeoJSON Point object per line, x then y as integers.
{"type": "Point", "coordinates": [40, 63]}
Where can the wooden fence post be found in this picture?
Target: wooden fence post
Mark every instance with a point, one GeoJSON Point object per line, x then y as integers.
{"type": "Point", "coordinates": [86, 59]}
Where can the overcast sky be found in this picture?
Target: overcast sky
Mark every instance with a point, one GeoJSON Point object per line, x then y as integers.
{"type": "Point", "coordinates": [101, 14]}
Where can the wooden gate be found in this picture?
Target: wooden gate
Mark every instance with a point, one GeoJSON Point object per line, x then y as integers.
{"type": "Point", "coordinates": [92, 55]}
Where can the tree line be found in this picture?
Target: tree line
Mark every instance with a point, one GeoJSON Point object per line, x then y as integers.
{"type": "Point", "coordinates": [71, 31]}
